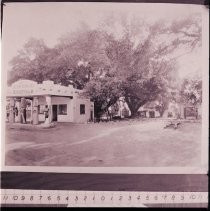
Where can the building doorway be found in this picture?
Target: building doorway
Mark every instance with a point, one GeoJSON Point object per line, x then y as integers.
{"type": "Point", "coordinates": [55, 113]}
{"type": "Point", "coordinates": [151, 114]}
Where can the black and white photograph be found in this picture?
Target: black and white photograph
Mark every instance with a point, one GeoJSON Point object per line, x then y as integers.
{"type": "Point", "coordinates": [105, 87]}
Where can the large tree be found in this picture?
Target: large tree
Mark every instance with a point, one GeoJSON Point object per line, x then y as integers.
{"type": "Point", "coordinates": [143, 73]}
{"type": "Point", "coordinates": [104, 91]}
{"type": "Point", "coordinates": [69, 62]}
{"type": "Point", "coordinates": [32, 62]}
{"type": "Point", "coordinates": [136, 63]}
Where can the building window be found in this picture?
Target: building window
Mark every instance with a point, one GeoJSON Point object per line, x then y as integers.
{"type": "Point", "coordinates": [82, 108]}
{"type": "Point", "coordinates": [41, 109]}
{"type": "Point", "coordinates": [62, 109]}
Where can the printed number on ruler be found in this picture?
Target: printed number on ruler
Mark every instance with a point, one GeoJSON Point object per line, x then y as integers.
{"type": "Point", "coordinates": [100, 198]}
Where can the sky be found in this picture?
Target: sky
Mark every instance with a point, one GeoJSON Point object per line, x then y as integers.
{"type": "Point", "coordinates": [49, 21]}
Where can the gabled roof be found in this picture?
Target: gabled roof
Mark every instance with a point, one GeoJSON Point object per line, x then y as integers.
{"type": "Point", "coordinates": [150, 105]}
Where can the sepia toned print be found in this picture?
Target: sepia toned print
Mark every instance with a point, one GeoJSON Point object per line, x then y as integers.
{"type": "Point", "coordinates": [118, 88]}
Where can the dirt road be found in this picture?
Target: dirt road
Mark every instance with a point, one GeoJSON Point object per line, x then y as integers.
{"type": "Point", "coordinates": [140, 143]}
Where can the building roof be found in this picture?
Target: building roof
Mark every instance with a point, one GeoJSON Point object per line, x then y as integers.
{"type": "Point", "coordinates": [150, 105]}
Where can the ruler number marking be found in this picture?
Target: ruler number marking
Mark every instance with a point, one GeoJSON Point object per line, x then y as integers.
{"type": "Point", "coordinates": [83, 197]}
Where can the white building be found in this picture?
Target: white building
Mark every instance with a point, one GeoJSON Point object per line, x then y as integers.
{"type": "Point", "coordinates": [149, 110]}
{"type": "Point", "coordinates": [62, 103]}
{"type": "Point", "coordinates": [120, 108]}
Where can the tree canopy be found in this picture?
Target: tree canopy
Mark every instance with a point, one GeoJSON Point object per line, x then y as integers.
{"type": "Point", "coordinates": [136, 64]}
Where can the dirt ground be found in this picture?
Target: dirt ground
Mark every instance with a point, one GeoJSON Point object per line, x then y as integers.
{"type": "Point", "coordinates": [113, 144]}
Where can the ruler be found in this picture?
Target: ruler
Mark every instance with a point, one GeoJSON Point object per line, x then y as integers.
{"type": "Point", "coordinates": [99, 198]}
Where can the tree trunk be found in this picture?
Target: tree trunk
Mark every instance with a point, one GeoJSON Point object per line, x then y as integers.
{"type": "Point", "coordinates": [134, 107]}
{"type": "Point", "coordinates": [134, 112]}
{"type": "Point", "coordinates": [161, 112]}
{"type": "Point", "coordinates": [162, 109]}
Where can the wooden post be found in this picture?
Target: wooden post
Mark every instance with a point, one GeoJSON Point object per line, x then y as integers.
{"type": "Point", "coordinates": [35, 116]}
{"type": "Point", "coordinates": [11, 111]}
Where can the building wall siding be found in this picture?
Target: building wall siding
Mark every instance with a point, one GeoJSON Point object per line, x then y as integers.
{"type": "Point", "coordinates": [80, 118]}
{"type": "Point", "coordinates": [64, 100]}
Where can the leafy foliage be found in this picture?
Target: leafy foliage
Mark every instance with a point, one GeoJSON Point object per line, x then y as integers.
{"type": "Point", "coordinates": [191, 92]}
{"type": "Point", "coordinates": [104, 92]}
{"type": "Point", "coordinates": [32, 62]}
{"type": "Point", "coordinates": [133, 64]}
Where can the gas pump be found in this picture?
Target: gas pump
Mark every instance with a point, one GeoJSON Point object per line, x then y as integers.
{"type": "Point", "coordinates": [23, 110]}
{"type": "Point", "coordinates": [46, 113]}
{"type": "Point", "coordinates": [17, 110]}
{"type": "Point", "coordinates": [12, 111]}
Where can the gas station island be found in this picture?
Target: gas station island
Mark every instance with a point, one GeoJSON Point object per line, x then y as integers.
{"type": "Point", "coordinates": [34, 103]}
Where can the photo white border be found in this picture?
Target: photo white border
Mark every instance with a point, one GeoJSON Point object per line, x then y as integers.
{"type": "Point", "coordinates": [203, 169]}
